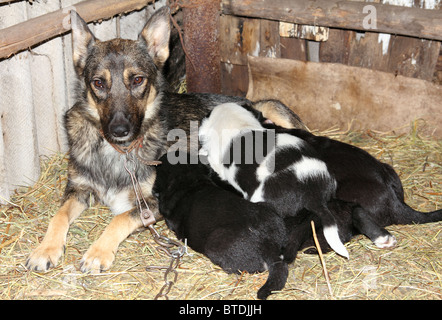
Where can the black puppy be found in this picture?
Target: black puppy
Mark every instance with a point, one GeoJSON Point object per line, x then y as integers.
{"type": "Point", "coordinates": [232, 232]}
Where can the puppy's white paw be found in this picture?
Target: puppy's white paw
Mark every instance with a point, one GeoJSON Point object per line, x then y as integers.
{"type": "Point", "coordinates": [387, 241]}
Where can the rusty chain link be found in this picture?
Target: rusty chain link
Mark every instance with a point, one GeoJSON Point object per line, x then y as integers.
{"type": "Point", "coordinates": [167, 246]}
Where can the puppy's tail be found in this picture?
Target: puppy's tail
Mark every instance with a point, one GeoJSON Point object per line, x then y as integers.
{"type": "Point", "coordinates": [330, 231]}
{"type": "Point", "coordinates": [408, 215]}
{"type": "Point", "coordinates": [278, 273]}
{"type": "Point", "coordinates": [403, 213]}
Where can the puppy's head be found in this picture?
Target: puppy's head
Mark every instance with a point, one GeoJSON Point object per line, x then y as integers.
{"type": "Point", "coordinates": [175, 180]}
{"type": "Point", "coordinates": [173, 173]}
{"type": "Point", "coordinates": [229, 117]}
{"type": "Point", "coordinates": [121, 78]}
{"type": "Point", "coordinates": [163, 176]}
{"type": "Point", "coordinates": [217, 131]}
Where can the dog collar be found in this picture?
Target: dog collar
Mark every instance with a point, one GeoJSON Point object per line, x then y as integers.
{"type": "Point", "coordinates": [136, 145]}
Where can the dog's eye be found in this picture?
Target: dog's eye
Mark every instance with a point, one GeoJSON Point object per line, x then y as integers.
{"type": "Point", "coordinates": [137, 81]}
{"type": "Point", "coordinates": [99, 84]}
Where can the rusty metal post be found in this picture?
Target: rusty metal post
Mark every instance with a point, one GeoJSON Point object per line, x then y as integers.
{"type": "Point", "coordinates": [201, 39]}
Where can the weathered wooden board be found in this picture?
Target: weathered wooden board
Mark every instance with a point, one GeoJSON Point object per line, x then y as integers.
{"type": "Point", "coordinates": [239, 37]}
{"type": "Point", "coordinates": [293, 48]}
{"type": "Point", "coordinates": [269, 39]}
{"type": "Point", "coordinates": [438, 71]}
{"type": "Point", "coordinates": [411, 57]}
{"type": "Point", "coordinates": [367, 51]}
{"type": "Point", "coordinates": [293, 30]}
{"type": "Point", "coordinates": [336, 48]}
{"type": "Point", "coordinates": [414, 22]}
{"type": "Point", "coordinates": [42, 28]}
{"type": "Point", "coordinates": [328, 94]}
{"type": "Point", "coordinates": [234, 79]}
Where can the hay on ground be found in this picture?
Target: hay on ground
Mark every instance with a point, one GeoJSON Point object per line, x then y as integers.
{"type": "Point", "coordinates": [412, 270]}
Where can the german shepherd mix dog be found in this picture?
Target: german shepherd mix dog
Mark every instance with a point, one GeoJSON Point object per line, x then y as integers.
{"type": "Point", "coordinates": [122, 107]}
{"type": "Point", "coordinates": [232, 232]}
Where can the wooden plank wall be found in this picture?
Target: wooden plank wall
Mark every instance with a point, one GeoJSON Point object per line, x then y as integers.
{"type": "Point", "coordinates": [400, 55]}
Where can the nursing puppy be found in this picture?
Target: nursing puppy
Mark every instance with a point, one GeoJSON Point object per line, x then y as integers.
{"type": "Point", "coordinates": [232, 232]}
{"type": "Point", "coordinates": [280, 169]}
{"type": "Point", "coordinates": [371, 185]}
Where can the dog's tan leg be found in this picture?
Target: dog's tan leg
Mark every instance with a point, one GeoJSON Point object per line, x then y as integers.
{"type": "Point", "coordinates": [47, 254]}
{"type": "Point", "coordinates": [101, 254]}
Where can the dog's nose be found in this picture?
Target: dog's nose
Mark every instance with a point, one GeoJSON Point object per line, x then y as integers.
{"type": "Point", "coordinates": [120, 131]}
{"type": "Point", "coordinates": [119, 127]}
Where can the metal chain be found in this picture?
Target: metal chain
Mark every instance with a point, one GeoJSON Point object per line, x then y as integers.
{"type": "Point", "coordinates": [167, 246]}
{"type": "Point", "coordinates": [147, 216]}
{"type": "Point", "coordinates": [174, 249]}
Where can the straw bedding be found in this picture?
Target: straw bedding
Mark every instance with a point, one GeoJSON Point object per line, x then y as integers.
{"type": "Point", "coordinates": [412, 270]}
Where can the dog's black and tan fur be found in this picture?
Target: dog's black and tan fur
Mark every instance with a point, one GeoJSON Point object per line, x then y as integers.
{"type": "Point", "coordinates": [121, 98]}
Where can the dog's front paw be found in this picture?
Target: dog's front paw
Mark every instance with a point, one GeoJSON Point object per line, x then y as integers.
{"type": "Point", "coordinates": [97, 259]}
{"type": "Point", "coordinates": [44, 257]}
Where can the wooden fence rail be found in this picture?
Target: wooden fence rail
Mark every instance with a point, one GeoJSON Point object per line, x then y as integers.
{"type": "Point", "coordinates": [414, 22]}
{"type": "Point", "coordinates": [33, 31]}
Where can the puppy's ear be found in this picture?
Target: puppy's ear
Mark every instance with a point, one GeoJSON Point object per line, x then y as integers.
{"type": "Point", "coordinates": [82, 40]}
{"type": "Point", "coordinates": [156, 34]}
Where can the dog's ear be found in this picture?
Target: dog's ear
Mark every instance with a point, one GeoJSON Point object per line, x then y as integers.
{"type": "Point", "coordinates": [82, 39]}
{"type": "Point", "coordinates": [156, 34]}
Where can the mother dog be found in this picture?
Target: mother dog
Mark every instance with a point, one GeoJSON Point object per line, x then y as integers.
{"type": "Point", "coordinates": [122, 107]}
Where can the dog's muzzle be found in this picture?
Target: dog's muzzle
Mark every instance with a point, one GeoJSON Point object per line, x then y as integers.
{"type": "Point", "coordinates": [120, 126]}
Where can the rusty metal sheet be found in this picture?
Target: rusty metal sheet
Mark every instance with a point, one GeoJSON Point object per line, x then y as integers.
{"type": "Point", "coordinates": [201, 39]}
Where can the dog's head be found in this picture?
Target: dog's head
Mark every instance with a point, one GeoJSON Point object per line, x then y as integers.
{"type": "Point", "coordinates": [121, 78]}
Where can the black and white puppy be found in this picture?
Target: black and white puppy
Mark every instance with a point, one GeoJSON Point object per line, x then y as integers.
{"type": "Point", "coordinates": [277, 168]}
{"type": "Point", "coordinates": [232, 232]}
{"type": "Point", "coordinates": [372, 186]}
